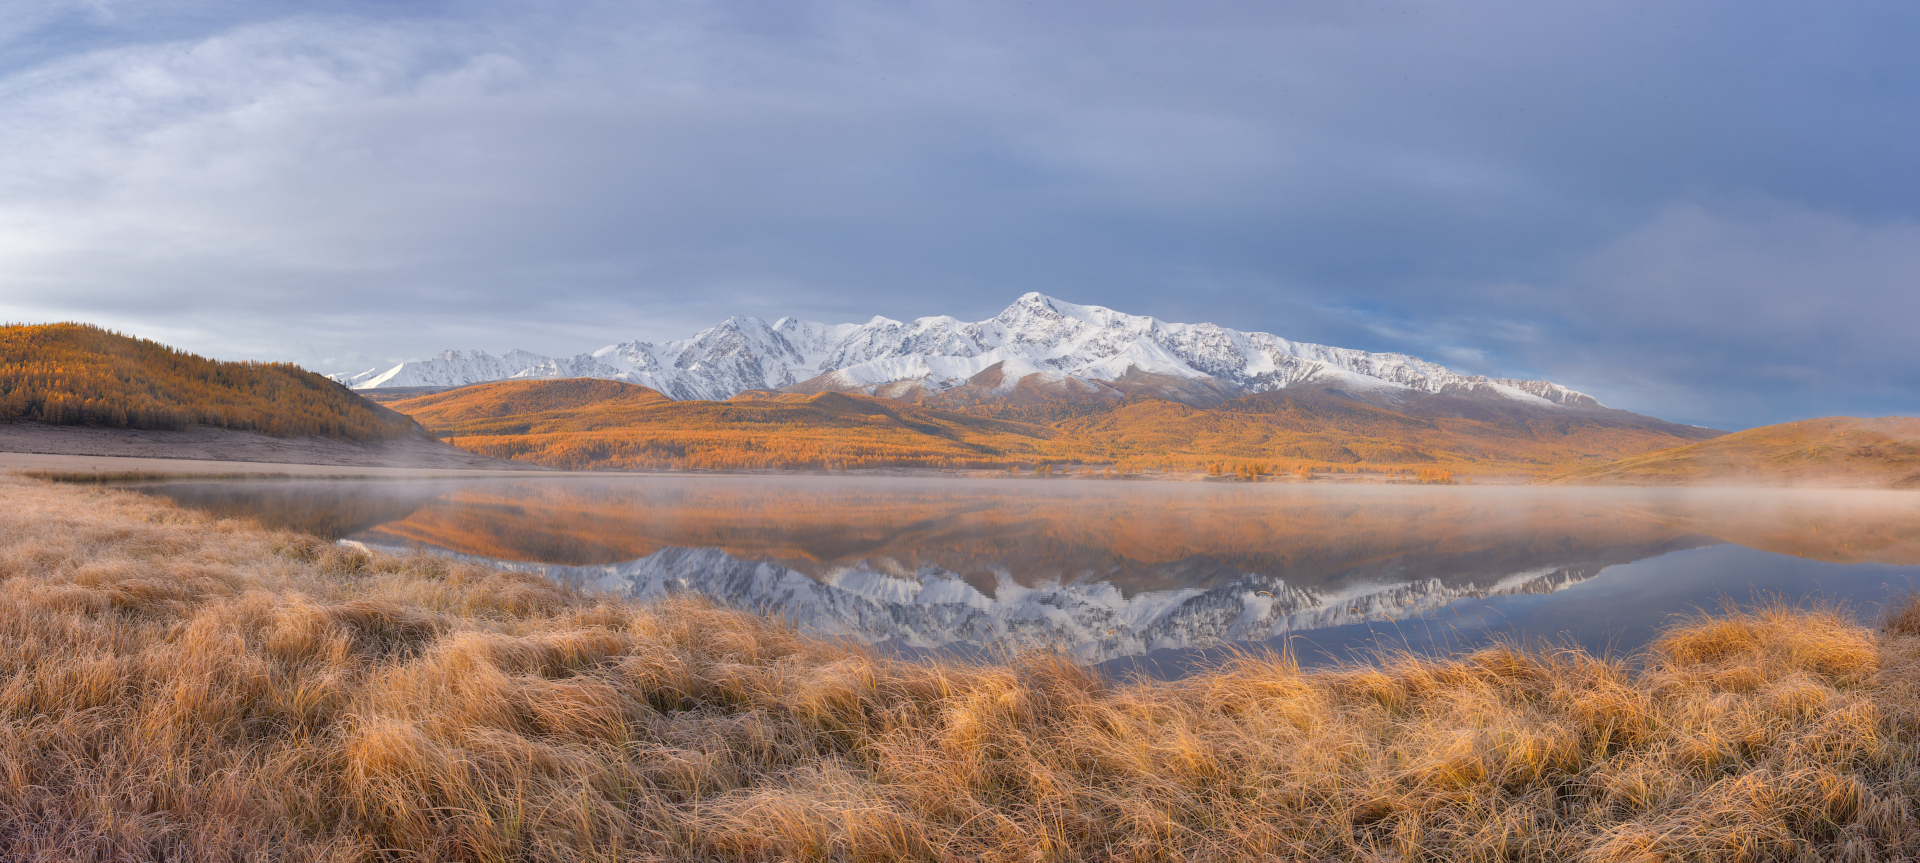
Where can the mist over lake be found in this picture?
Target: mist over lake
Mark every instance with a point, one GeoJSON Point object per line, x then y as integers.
{"type": "Point", "coordinates": [1141, 576]}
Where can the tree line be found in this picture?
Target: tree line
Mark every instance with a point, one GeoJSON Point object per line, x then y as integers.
{"type": "Point", "coordinates": [77, 374]}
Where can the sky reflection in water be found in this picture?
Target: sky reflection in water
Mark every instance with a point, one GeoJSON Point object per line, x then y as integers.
{"type": "Point", "coordinates": [1143, 576]}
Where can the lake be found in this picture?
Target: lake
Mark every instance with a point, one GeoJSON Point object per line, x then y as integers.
{"type": "Point", "coordinates": [1140, 577]}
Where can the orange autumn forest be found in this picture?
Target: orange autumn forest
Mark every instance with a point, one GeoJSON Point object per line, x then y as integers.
{"type": "Point", "coordinates": [600, 424]}
{"type": "Point", "coordinates": [75, 374]}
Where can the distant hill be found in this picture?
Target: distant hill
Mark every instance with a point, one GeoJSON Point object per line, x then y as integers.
{"type": "Point", "coordinates": [1831, 452]}
{"type": "Point", "coordinates": [389, 395]}
{"type": "Point", "coordinates": [1328, 426]}
{"type": "Point", "coordinates": [556, 401]}
{"type": "Point", "coordinates": [585, 423]}
{"type": "Point", "coordinates": [80, 375]}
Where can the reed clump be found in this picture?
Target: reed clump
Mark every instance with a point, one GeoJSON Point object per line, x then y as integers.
{"type": "Point", "coordinates": [178, 687]}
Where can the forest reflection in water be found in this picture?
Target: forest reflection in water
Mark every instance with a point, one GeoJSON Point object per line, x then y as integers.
{"type": "Point", "coordinates": [1113, 571]}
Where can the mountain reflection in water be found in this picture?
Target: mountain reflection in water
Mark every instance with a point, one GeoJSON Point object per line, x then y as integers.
{"type": "Point", "coordinates": [1108, 570]}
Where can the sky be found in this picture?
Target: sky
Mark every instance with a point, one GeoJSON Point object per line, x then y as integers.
{"type": "Point", "coordinates": [1703, 211]}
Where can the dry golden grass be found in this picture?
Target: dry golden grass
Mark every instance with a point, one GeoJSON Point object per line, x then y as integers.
{"type": "Point", "coordinates": [175, 687]}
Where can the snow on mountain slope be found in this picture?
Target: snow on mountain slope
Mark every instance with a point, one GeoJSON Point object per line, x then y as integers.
{"type": "Point", "coordinates": [458, 368]}
{"type": "Point", "coordinates": [1035, 335]}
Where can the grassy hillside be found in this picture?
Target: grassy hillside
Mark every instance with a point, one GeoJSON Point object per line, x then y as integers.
{"type": "Point", "coordinates": [74, 374]}
{"type": "Point", "coordinates": [1834, 451]}
{"type": "Point", "coordinates": [180, 688]}
{"type": "Point", "coordinates": [581, 424]}
{"type": "Point", "coordinates": [585, 423]}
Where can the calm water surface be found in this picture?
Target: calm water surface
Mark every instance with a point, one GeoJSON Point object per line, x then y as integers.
{"type": "Point", "coordinates": [1141, 576]}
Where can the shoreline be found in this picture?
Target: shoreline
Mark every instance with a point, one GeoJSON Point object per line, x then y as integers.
{"type": "Point", "coordinates": [18, 463]}
{"type": "Point", "coordinates": [187, 687]}
{"type": "Point", "coordinates": [78, 465]}
{"type": "Point", "coordinates": [79, 450]}
{"type": "Point", "coordinates": [75, 467]}
{"type": "Point", "coordinates": [228, 447]}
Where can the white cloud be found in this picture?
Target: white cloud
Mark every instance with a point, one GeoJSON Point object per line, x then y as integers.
{"type": "Point", "coordinates": [1743, 304]}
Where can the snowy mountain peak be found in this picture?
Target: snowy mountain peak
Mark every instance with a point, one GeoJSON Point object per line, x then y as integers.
{"type": "Point", "coordinates": [1035, 308]}
{"type": "Point", "coordinates": [1066, 343]}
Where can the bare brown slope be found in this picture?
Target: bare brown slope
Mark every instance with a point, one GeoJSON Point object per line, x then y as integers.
{"type": "Point", "coordinates": [1838, 452]}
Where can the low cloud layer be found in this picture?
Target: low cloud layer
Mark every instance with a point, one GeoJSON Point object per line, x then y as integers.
{"type": "Point", "coordinates": [1700, 210]}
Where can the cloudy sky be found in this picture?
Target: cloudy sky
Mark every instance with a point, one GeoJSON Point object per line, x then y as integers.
{"type": "Point", "coordinates": [1706, 211]}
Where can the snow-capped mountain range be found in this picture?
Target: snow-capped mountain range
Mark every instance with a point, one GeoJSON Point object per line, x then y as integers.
{"type": "Point", "coordinates": [1038, 340]}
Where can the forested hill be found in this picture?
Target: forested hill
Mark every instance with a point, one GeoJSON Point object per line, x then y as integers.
{"type": "Point", "coordinates": [1838, 452]}
{"type": "Point", "coordinates": [76, 374]}
{"type": "Point", "coordinates": [593, 424]}
{"type": "Point", "coordinates": [587, 424]}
